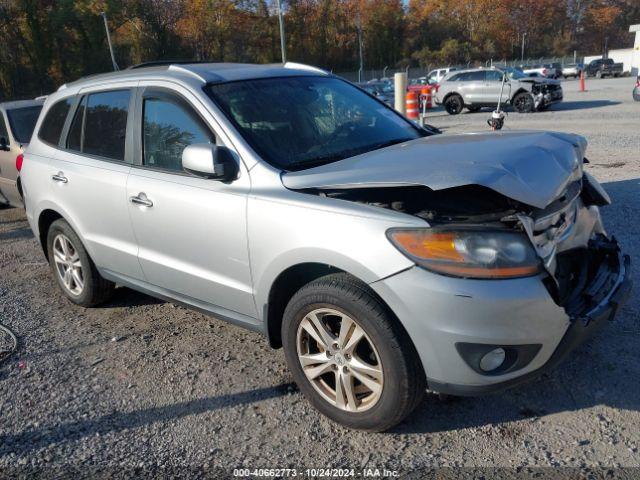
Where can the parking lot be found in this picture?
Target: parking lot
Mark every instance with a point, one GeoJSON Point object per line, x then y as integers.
{"type": "Point", "coordinates": [143, 384]}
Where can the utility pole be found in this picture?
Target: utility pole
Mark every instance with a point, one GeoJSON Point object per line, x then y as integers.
{"type": "Point", "coordinates": [606, 50]}
{"type": "Point", "coordinates": [522, 55]}
{"type": "Point", "coordinates": [361, 70]}
{"type": "Point", "coordinates": [283, 43]}
{"type": "Point", "coordinates": [106, 27]}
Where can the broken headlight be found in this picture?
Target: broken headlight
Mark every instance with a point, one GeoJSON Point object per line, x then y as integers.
{"type": "Point", "coordinates": [468, 253]}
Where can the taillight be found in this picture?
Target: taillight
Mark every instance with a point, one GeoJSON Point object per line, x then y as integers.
{"type": "Point", "coordinates": [544, 72]}
{"type": "Point", "coordinates": [19, 160]}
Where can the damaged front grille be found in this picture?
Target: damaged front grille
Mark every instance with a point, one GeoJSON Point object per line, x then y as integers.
{"type": "Point", "coordinates": [547, 228]}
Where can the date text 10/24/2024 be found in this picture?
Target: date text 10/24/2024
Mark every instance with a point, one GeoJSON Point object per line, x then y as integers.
{"type": "Point", "coordinates": [316, 472]}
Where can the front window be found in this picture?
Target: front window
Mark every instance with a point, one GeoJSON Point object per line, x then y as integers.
{"type": "Point", "coordinates": [168, 128]}
{"type": "Point", "coordinates": [515, 74]}
{"type": "Point", "coordinates": [300, 122]}
{"type": "Point", "coordinates": [23, 121]}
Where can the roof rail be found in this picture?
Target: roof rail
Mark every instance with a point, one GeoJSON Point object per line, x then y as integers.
{"type": "Point", "coordinates": [302, 66]}
{"type": "Point", "coordinates": [160, 63]}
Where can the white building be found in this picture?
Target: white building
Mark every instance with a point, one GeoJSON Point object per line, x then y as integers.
{"type": "Point", "coordinates": [630, 57]}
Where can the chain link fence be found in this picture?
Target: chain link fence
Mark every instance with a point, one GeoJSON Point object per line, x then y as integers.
{"type": "Point", "coordinates": [367, 75]}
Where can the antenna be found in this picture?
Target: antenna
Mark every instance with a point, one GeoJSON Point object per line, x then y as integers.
{"type": "Point", "coordinates": [106, 27]}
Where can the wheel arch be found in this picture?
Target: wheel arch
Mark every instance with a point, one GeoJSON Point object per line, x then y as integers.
{"type": "Point", "coordinates": [292, 279]}
{"type": "Point", "coordinates": [45, 220]}
{"type": "Point", "coordinates": [450, 94]}
{"type": "Point", "coordinates": [518, 92]}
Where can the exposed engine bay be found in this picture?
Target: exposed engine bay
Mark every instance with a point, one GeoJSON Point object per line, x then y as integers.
{"type": "Point", "coordinates": [567, 235]}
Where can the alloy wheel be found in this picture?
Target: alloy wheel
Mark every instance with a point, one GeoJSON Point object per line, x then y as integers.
{"type": "Point", "coordinates": [68, 264]}
{"type": "Point", "coordinates": [339, 360]}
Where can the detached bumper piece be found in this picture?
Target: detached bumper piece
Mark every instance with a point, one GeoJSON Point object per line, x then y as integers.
{"type": "Point", "coordinates": [592, 284]}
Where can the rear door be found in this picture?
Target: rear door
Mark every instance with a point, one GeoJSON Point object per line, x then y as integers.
{"type": "Point", "coordinates": [471, 86]}
{"type": "Point", "coordinates": [191, 231]}
{"type": "Point", "coordinates": [89, 176]}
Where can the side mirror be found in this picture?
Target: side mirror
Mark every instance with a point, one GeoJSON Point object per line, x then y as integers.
{"type": "Point", "coordinates": [210, 161]}
{"type": "Point", "coordinates": [4, 144]}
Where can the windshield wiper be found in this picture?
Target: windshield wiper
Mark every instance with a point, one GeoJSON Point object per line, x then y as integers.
{"type": "Point", "coordinates": [319, 161]}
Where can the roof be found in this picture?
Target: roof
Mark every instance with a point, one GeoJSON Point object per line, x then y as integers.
{"type": "Point", "coordinates": [21, 104]}
{"type": "Point", "coordinates": [202, 72]}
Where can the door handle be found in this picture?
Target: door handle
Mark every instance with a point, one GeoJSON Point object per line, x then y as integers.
{"type": "Point", "coordinates": [141, 199]}
{"type": "Point", "coordinates": [59, 177]}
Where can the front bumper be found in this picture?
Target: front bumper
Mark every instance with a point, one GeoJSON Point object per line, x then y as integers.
{"type": "Point", "coordinates": [441, 313]}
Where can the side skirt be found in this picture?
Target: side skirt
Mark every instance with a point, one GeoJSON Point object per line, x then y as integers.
{"type": "Point", "coordinates": [210, 309]}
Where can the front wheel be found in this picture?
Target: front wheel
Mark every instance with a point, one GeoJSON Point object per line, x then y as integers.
{"type": "Point", "coordinates": [523, 102]}
{"type": "Point", "coordinates": [349, 355]}
{"type": "Point", "coordinates": [454, 104]}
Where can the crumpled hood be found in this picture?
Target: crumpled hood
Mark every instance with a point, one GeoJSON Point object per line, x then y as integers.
{"type": "Point", "coordinates": [531, 167]}
{"type": "Point", "coordinates": [548, 81]}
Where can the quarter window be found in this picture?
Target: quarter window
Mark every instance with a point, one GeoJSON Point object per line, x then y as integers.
{"type": "Point", "coordinates": [100, 125]}
{"type": "Point", "coordinates": [168, 128]}
{"type": "Point", "coordinates": [53, 122]}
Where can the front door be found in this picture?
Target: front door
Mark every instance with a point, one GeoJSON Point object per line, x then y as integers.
{"type": "Point", "coordinates": [191, 231]}
{"type": "Point", "coordinates": [8, 172]}
{"type": "Point", "coordinates": [493, 86]}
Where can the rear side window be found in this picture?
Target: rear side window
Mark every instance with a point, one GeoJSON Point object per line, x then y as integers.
{"type": "Point", "coordinates": [476, 76]}
{"type": "Point", "coordinates": [100, 125]}
{"type": "Point", "coordinates": [23, 122]}
{"type": "Point", "coordinates": [52, 124]}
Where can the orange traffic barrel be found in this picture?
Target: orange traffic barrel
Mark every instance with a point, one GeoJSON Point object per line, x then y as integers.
{"type": "Point", "coordinates": [426, 97]}
{"type": "Point", "coordinates": [412, 105]}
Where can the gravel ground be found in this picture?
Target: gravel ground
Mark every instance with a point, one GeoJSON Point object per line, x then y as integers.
{"type": "Point", "coordinates": [150, 387]}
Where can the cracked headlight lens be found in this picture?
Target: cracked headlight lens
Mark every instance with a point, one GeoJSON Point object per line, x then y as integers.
{"type": "Point", "coordinates": [468, 253]}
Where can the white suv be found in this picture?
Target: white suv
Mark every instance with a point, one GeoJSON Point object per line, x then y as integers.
{"type": "Point", "coordinates": [384, 258]}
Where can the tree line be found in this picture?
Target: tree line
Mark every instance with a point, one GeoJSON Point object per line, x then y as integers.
{"type": "Point", "coordinates": [44, 43]}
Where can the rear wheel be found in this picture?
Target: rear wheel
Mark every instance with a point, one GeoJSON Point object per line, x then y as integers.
{"type": "Point", "coordinates": [75, 272]}
{"type": "Point", "coordinates": [349, 356]}
{"type": "Point", "coordinates": [523, 102]}
{"type": "Point", "coordinates": [454, 104]}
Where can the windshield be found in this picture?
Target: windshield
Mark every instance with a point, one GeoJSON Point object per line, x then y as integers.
{"type": "Point", "coordinates": [23, 121]}
{"type": "Point", "coordinates": [300, 122]}
{"type": "Point", "coordinates": [514, 73]}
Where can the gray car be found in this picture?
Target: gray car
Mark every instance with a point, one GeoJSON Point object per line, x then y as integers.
{"type": "Point", "coordinates": [384, 258]}
{"type": "Point", "coordinates": [17, 120]}
{"type": "Point", "coordinates": [477, 88]}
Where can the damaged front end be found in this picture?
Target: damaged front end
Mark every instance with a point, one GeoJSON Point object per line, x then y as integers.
{"type": "Point", "coordinates": [545, 94]}
{"type": "Point", "coordinates": [587, 274]}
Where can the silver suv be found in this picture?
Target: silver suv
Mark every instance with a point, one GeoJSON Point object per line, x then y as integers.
{"type": "Point", "coordinates": [17, 121]}
{"type": "Point", "coordinates": [481, 87]}
{"type": "Point", "coordinates": [384, 258]}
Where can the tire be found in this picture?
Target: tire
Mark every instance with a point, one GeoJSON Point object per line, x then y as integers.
{"type": "Point", "coordinates": [523, 102]}
{"type": "Point", "coordinates": [84, 285]}
{"type": "Point", "coordinates": [454, 104]}
{"type": "Point", "coordinates": [399, 381]}
{"type": "Point", "coordinates": [636, 94]}
{"type": "Point", "coordinates": [474, 109]}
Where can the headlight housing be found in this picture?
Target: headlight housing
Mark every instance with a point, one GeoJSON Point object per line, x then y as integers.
{"type": "Point", "coordinates": [468, 252]}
